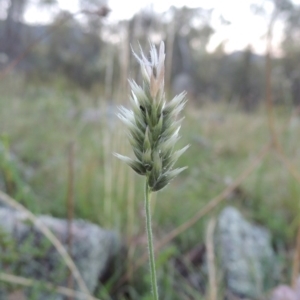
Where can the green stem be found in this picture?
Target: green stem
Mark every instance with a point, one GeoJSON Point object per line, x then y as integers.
{"type": "Point", "coordinates": [150, 241]}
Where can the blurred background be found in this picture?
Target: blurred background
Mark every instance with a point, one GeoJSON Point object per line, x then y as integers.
{"type": "Point", "coordinates": [226, 228]}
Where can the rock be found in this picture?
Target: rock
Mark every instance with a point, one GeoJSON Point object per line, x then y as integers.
{"type": "Point", "coordinates": [34, 257]}
{"type": "Point", "coordinates": [247, 257]}
{"type": "Point", "coordinates": [284, 292]}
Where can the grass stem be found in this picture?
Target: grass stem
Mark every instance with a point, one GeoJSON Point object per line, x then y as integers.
{"type": "Point", "coordinates": [150, 241]}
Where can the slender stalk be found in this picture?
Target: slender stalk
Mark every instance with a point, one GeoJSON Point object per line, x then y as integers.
{"type": "Point", "coordinates": [70, 209]}
{"type": "Point", "coordinates": [150, 241]}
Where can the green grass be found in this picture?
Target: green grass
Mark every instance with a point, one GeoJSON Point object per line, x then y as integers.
{"type": "Point", "coordinates": [38, 123]}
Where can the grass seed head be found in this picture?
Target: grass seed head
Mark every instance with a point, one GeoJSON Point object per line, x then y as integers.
{"type": "Point", "coordinates": [152, 123]}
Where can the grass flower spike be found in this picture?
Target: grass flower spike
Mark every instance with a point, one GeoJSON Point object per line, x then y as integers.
{"type": "Point", "coordinates": [152, 123]}
{"type": "Point", "coordinates": [153, 128]}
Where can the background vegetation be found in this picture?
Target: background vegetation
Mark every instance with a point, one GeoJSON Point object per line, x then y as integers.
{"type": "Point", "coordinates": [60, 86]}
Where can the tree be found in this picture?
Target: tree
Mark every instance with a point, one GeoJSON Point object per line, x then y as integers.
{"type": "Point", "coordinates": [14, 16]}
{"type": "Point", "coordinates": [12, 39]}
{"type": "Point", "coordinates": [291, 50]}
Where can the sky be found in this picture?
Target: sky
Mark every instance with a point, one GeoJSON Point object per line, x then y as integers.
{"type": "Point", "coordinates": [244, 29]}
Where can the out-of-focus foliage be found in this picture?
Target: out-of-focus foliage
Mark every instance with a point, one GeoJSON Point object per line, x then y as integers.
{"type": "Point", "coordinates": [70, 51]}
{"type": "Point", "coordinates": [90, 51]}
{"type": "Point", "coordinates": [291, 48]}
